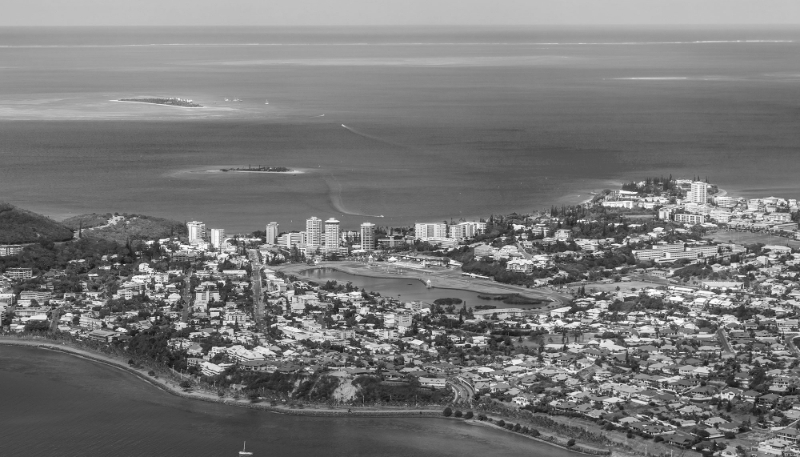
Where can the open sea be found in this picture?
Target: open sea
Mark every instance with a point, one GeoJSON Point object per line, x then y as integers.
{"type": "Point", "coordinates": [57, 405]}
{"type": "Point", "coordinates": [415, 124]}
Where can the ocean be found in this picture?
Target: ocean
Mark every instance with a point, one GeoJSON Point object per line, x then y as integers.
{"type": "Point", "coordinates": [413, 124]}
{"type": "Point", "coordinates": [59, 405]}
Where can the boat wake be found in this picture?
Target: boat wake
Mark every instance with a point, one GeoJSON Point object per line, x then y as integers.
{"type": "Point", "coordinates": [335, 194]}
{"type": "Point", "coordinates": [374, 138]}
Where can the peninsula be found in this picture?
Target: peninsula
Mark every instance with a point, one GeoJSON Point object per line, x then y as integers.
{"type": "Point", "coordinates": [172, 101]}
{"type": "Point", "coordinates": [654, 318]}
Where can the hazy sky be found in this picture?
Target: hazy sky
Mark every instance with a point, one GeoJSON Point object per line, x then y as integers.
{"type": "Point", "coordinates": [396, 12]}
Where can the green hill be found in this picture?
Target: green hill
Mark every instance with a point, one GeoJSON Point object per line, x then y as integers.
{"type": "Point", "coordinates": [22, 226]}
{"type": "Point", "coordinates": [122, 228]}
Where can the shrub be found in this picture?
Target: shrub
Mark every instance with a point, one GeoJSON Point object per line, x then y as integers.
{"type": "Point", "coordinates": [482, 417]}
{"type": "Point", "coordinates": [571, 442]}
{"type": "Point", "coordinates": [458, 413]}
{"type": "Point", "coordinates": [468, 415]}
{"type": "Point", "coordinates": [185, 384]}
{"type": "Point", "coordinates": [629, 435]}
{"type": "Point", "coordinates": [447, 412]}
{"type": "Point", "coordinates": [151, 373]}
{"type": "Point", "coordinates": [501, 423]}
{"type": "Point", "coordinates": [534, 432]}
{"type": "Point", "coordinates": [517, 427]}
{"type": "Point", "coordinates": [658, 439]}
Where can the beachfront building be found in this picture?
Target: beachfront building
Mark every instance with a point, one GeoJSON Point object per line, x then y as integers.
{"type": "Point", "coordinates": [314, 232]}
{"type": "Point", "coordinates": [217, 237]}
{"type": "Point", "coordinates": [332, 235]}
{"type": "Point", "coordinates": [426, 230]}
{"type": "Point", "coordinates": [466, 230]}
{"type": "Point", "coordinates": [197, 231]}
{"type": "Point", "coordinates": [692, 219]}
{"type": "Point", "coordinates": [8, 250]}
{"type": "Point", "coordinates": [699, 193]}
{"type": "Point", "coordinates": [291, 239]}
{"type": "Point", "coordinates": [367, 236]}
{"type": "Point", "coordinates": [272, 232]}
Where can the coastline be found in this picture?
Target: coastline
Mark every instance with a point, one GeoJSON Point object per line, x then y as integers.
{"type": "Point", "coordinates": [173, 389]}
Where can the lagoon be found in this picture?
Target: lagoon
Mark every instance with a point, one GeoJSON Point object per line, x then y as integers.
{"type": "Point", "coordinates": [402, 288]}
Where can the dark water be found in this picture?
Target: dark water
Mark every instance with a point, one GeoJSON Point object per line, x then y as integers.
{"type": "Point", "coordinates": [442, 123]}
{"type": "Point", "coordinates": [57, 405]}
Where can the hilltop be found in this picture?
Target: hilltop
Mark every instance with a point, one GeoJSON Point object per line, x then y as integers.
{"type": "Point", "coordinates": [18, 225]}
{"type": "Point", "coordinates": [122, 228]}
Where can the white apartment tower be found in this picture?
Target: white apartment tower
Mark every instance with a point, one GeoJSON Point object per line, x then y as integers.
{"type": "Point", "coordinates": [368, 236]}
{"type": "Point", "coordinates": [272, 232]}
{"type": "Point", "coordinates": [424, 230]}
{"type": "Point", "coordinates": [314, 232]}
{"type": "Point", "coordinates": [217, 236]}
{"type": "Point", "coordinates": [332, 235]}
{"type": "Point", "coordinates": [699, 193]}
{"type": "Point", "coordinates": [197, 231]}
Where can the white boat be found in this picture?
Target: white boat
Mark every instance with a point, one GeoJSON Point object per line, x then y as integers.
{"type": "Point", "coordinates": [266, 102]}
{"type": "Point", "coordinates": [244, 450]}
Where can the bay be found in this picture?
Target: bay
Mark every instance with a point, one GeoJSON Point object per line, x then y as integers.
{"type": "Point", "coordinates": [59, 405]}
{"type": "Point", "coordinates": [441, 123]}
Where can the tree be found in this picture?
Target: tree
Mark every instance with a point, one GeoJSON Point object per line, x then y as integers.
{"type": "Point", "coordinates": [447, 412]}
{"type": "Point", "coordinates": [571, 442]}
{"type": "Point", "coordinates": [468, 415]}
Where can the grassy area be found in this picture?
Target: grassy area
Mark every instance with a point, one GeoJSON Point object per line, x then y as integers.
{"type": "Point", "coordinates": [138, 227]}
{"type": "Point", "coordinates": [725, 236]}
{"type": "Point", "coordinates": [22, 226]}
{"type": "Point", "coordinates": [87, 220]}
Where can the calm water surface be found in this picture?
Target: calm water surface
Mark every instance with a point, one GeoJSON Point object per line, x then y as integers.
{"type": "Point", "coordinates": [55, 405]}
{"type": "Point", "coordinates": [440, 123]}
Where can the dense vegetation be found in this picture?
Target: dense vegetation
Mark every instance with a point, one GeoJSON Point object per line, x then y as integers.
{"type": "Point", "coordinates": [21, 226]}
{"type": "Point", "coordinates": [132, 227]}
{"type": "Point", "coordinates": [42, 257]}
{"type": "Point", "coordinates": [85, 221]}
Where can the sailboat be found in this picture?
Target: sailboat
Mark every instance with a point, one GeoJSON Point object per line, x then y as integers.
{"type": "Point", "coordinates": [266, 102]}
{"type": "Point", "coordinates": [244, 451]}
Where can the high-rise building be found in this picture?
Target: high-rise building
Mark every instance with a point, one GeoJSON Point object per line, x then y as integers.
{"type": "Point", "coordinates": [197, 231]}
{"type": "Point", "coordinates": [217, 236]}
{"type": "Point", "coordinates": [314, 232]}
{"type": "Point", "coordinates": [424, 231]}
{"type": "Point", "coordinates": [272, 232]}
{"type": "Point", "coordinates": [368, 236]}
{"type": "Point", "coordinates": [699, 193]}
{"type": "Point", "coordinates": [332, 235]}
{"type": "Point", "coordinates": [290, 239]}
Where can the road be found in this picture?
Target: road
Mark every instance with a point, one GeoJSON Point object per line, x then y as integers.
{"type": "Point", "coordinates": [258, 294]}
{"type": "Point", "coordinates": [723, 340]}
{"type": "Point", "coordinates": [463, 392]}
{"type": "Point", "coordinates": [187, 296]}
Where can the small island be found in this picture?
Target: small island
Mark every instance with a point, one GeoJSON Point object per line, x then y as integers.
{"type": "Point", "coordinates": [261, 169]}
{"type": "Point", "coordinates": [164, 101]}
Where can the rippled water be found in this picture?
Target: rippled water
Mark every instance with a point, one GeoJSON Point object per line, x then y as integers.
{"type": "Point", "coordinates": [440, 123]}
